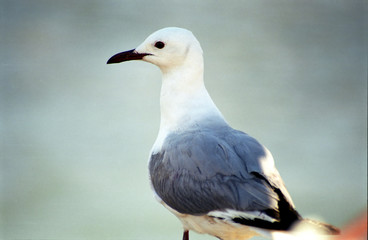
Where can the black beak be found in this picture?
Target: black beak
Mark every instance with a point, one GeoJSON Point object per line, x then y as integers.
{"type": "Point", "coordinates": [126, 56]}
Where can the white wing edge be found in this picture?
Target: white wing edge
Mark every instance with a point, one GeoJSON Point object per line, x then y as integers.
{"type": "Point", "coordinates": [229, 214]}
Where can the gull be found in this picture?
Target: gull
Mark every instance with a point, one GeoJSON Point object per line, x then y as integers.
{"type": "Point", "coordinates": [215, 179]}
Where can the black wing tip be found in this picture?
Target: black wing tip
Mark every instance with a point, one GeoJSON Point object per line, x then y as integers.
{"type": "Point", "coordinates": [287, 215]}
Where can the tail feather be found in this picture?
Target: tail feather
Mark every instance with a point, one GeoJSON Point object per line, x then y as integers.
{"type": "Point", "coordinates": [320, 227]}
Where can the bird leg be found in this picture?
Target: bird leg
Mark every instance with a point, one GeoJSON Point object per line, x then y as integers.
{"type": "Point", "coordinates": [186, 235]}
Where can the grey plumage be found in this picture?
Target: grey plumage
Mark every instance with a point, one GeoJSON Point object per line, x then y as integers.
{"type": "Point", "coordinates": [211, 168]}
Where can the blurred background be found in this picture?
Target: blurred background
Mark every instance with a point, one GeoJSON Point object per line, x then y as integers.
{"type": "Point", "coordinates": [76, 133]}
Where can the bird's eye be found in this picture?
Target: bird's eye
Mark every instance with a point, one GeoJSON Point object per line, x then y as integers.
{"type": "Point", "coordinates": [159, 45]}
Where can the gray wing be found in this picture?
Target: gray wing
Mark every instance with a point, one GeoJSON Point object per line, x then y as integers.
{"type": "Point", "coordinates": [201, 171]}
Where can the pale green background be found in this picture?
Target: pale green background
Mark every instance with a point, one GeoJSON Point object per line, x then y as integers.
{"type": "Point", "coordinates": [76, 133]}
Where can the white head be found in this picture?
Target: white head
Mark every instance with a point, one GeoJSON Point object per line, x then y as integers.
{"type": "Point", "coordinates": [168, 48]}
{"type": "Point", "coordinates": [184, 99]}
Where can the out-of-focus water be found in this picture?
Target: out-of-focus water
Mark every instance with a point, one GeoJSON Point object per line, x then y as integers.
{"type": "Point", "coordinates": [75, 132]}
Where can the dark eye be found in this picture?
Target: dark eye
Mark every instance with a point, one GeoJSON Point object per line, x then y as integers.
{"type": "Point", "coordinates": [159, 45]}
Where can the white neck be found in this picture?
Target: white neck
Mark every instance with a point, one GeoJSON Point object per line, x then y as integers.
{"type": "Point", "coordinates": [184, 102]}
